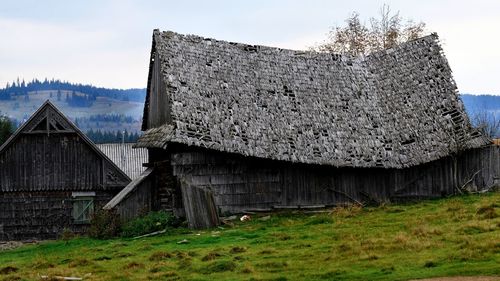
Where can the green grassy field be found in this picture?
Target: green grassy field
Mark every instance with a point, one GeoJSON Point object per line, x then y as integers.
{"type": "Point", "coordinates": [455, 236]}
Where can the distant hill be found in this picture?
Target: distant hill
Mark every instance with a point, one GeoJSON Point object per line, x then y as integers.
{"type": "Point", "coordinates": [481, 109]}
{"type": "Point", "coordinates": [479, 103]}
{"type": "Point", "coordinates": [103, 113]}
{"type": "Point", "coordinates": [19, 88]}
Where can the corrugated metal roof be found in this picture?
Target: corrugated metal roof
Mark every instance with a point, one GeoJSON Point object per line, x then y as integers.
{"type": "Point", "coordinates": [129, 159]}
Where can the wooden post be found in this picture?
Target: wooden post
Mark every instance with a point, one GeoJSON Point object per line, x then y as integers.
{"type": "Point", "coordinates": [199, 205]}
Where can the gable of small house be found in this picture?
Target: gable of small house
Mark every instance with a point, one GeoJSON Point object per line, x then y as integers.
{"type": "Point", "coordinates": [49, 153]}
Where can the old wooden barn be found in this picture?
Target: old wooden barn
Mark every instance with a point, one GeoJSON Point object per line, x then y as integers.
{"type": "Point", "coordinates": [52, 177]}
{"type": "Point", "coordinates": [261, 128]}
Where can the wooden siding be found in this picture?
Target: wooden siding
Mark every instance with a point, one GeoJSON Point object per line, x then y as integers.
{"type": "Point", "coordinates": [201, 211]}
{"type": "Point", "coordinates": [159, 107]}
{"type": "Point", "coordinates": [479, 166]}
{"type": "Point", "coordinates": [152, 191]}
{"type": "Point", "coordinates": [245, 183]}
{"type": "Point", "coordinates": [54, 162]}
{"type": "Point", "coordinates": [40, 215]}
{"type": "Point", "coordinates": [41, 164]}
{"type": "Point", "coordinates": [136, 198]}
{"type": "Point", "coordinates": [139, 202]}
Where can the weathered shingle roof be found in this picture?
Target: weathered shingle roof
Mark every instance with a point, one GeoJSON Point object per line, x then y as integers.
{"type": "Point", "coordinates": [395, 108]}
{"type": "Point", "coordinates": [126, 157]}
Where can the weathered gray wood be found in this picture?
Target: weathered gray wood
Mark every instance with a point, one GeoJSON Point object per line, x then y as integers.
{"type": "Point", "coordinates": [199, 204]}
{"type": "Point", "coordinates": [55, 160]}
{"type": "Point", "coordinates": [40, 215]}
{"type": "Point", "coordinates": [136, 198]}
{"type": "Point", "coordinates": [128, 190]}
{"type": "Point", "coordinates": [265, 183]}
{"type": "Point", "coordinates": [45, 160]}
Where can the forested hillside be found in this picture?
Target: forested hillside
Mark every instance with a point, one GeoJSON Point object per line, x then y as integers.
{"type": "Point", "coordinates": [106, 115]}
{"type": "Point", "coordinates": [20, 88]}
{"type": "Point", "coordinates": [479, 103]}
{"type": "Point", "coordinates": [484, 113]}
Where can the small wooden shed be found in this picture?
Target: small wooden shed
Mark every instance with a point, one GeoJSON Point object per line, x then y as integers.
{"type": "Point", "coordinates": [52, 177]}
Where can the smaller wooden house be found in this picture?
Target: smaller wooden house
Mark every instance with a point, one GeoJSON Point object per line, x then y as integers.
{"type": "Point", "coordinates": [52, 177]}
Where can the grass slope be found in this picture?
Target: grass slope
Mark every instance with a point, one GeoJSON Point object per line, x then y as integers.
{"type": "Point", "coordinates": [455, 236]}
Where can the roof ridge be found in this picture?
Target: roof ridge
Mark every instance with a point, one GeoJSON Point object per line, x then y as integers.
{"type": "Point", "coordinates": [199, 38]}
{"type": "Point", "coordinates": [390, 109]}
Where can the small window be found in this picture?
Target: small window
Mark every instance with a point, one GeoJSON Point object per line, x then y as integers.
{"type": "Point", "coordinates": [83, 206]}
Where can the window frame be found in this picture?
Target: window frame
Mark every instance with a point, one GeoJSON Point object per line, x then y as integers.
{"type": "Point", "coordinates": [87, 199]}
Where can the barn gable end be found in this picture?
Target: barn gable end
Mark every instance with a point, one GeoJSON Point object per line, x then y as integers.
{"type": "Point", "coordinates": [48, 152]}
{"type": "Point", "coordinates": [52, 177]}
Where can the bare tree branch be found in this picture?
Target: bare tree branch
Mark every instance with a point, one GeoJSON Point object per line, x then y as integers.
{"type": "Point", "coordinates": [487, 122]}
{"type": "Point", "coordinates": [384, 32]}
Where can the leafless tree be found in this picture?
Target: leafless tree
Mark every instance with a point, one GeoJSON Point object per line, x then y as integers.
{"type": "Point", "coordinates": [487, 122]}
{"type": "Point", "coordinates": [353, 38]}
{"type": "Point", "coordinates": [384, 32]}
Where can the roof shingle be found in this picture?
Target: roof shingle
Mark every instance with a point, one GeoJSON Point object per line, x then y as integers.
{"type": "Point", "coordinates": [395, 108]}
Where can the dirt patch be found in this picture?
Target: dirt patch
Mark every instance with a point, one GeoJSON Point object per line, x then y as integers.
{"type": "Point", "coordinates": [211, 256]}
{"type": "Point", "coordinates": [181, 255]}
{"type": "Point", "coordinates": [133, 265]}
{"type": "Point", "coordinates": [80, 262]}
{"type": "Point", "coordinates": [267, 252]}
{"type": "Point", "coordinates": [124, 255]}
{"type": "Point", "coordinates": [237, 250]}
{"type": "Point", "coordinates": [158, 256]}
{"type": "Point", "coordinates": [218, 266]}
{"type": "Point", "coordinates": [103, 258]}
{"type": "Point", "coordinates": [462, 278]}
{"type": "Point", "coordinates": [8, 270]}
{"type": "Point", "coordinates": [281, 236]}
{"type": "Point", "coordinates": [488, 212]}
{"type": "Point", "coordinates": [39, 264]}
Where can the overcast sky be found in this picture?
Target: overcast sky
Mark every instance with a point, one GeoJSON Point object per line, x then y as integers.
{"type": "Point", "coordinates": [107, 43]}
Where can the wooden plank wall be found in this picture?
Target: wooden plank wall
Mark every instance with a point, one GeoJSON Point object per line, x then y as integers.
{"type": "Point", "coordinates": [40, 215]}
{"type": "Point", "coordinates": [435, 179]}
{"type": "Point", "coordinates": [201, 211]}
{"type": "Point", "coordinates": [159, 103]}
{"type": "Point", "coordinates": [139, 202]}
{"type": "Point", "coordinates": [236, 183]}
{"type": "Point", "coordinates": [485, 161]}
{"type": "Point", "coordinates": [56, 162]}
{"type": "Point", "coordinates": [244, 183]}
